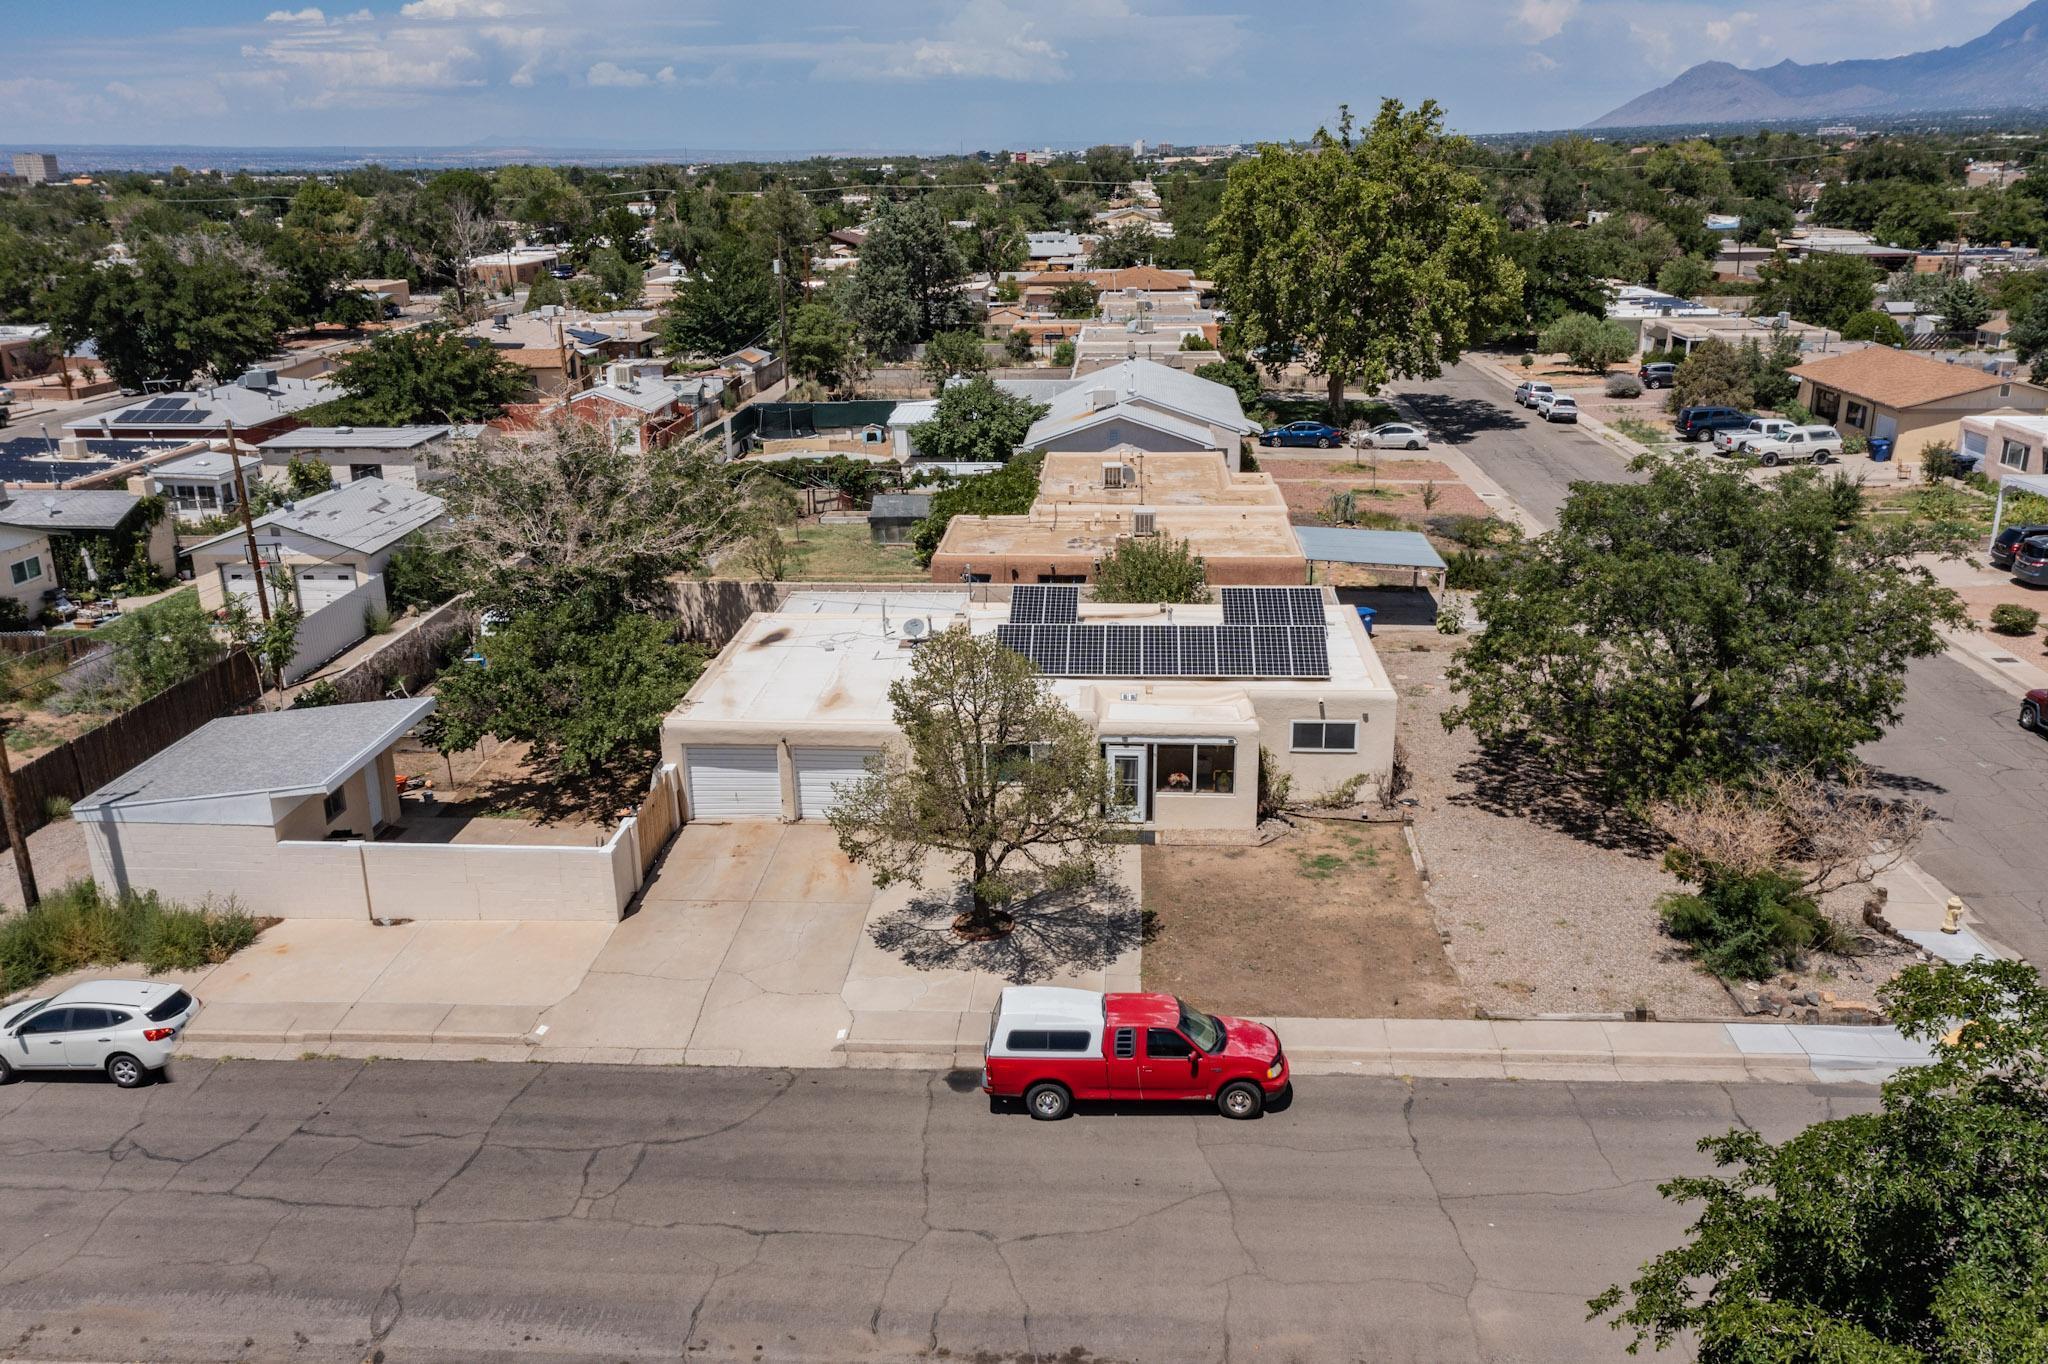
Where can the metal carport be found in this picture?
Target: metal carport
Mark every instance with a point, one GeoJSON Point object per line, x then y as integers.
{"type": "Point", "coordinates": [1370, 549]}
{"type": "Point", "coordinates": [2025, 483]}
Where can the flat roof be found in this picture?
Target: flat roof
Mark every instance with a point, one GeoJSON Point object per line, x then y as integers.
{"type": "Point", "coordinates": [205, 464]}
{"type": "Point", "coordinates": [1378, 548]}
{"type": "Point", "coordinates": [68, 509]}
{"type": "Point", "coordinates": [269, 754]}
{"type": "Point", "coordinates": [1213, 533]}
{"type": "Point", "coordinates": [355, 437]}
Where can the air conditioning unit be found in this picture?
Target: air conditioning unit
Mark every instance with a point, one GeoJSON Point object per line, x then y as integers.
{"type": "Point", "coordinates": [1116, 475]}
{"type": "Point", "coordinates": [1144, 521]}
{"type": "Point", "coordinates": [1101, 398]}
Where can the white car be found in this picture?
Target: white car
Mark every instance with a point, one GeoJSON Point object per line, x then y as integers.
{"type": "Point", "coordinates": [126, 1028]}
{"type": "Point", "coordinates": [1394, 436]}
{"type": "Point", "coordinates": [1531, 392]}
{"type": "Point", "coordinates": [1556, 407]}
{"type": "Point", "coordinates": [1816, 443]}
{"type": "Point", "coordinates": [1732, 440]}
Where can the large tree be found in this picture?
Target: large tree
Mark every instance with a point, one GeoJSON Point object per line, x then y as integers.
{"type": "Point", "coordinates": [425, 375]}
{"type": "Point", "coordinates": [906, 288]}
{"type": "Point", "coordinates": [996, 775]}
{"type": "Point", "coordinates": [728, 303]}
{"type": "Point", "coordinates": [1373, 259]}
{"type": "Point", "coordinates": [975, 422]}
{"type": "Point", "coordinates": [822, 346]}
{"type": "Point", "coordinates": [1701, 627]}
{"type": "Point", "coordinates": [1917, 1234]}
{"type": "Point", "coordinates": [1149, 569]}
{"type": "Point", "coordinates": [1825, 289]}
{"type": "Point", "coordinates": [193, 305]}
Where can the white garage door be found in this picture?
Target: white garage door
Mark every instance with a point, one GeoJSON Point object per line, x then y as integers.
{"type": "Point", "coordinates": [735, 783]}
{"type": "Point", "coordinates": [821, 771]}
{"type": "Point", "coordinates": [321, 585]}
{"type": "Point", "coordinates": [240, 581]}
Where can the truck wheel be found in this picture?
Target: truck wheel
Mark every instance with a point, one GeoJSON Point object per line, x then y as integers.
{"type": "Point", "coordinates": [1770, 459]}
{"type": "Point", "coordinates": [1241, 1099]}
{"type": "Point", "coordinates": [1048, 1102]}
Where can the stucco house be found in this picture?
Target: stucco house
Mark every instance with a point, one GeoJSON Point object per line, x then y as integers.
{"type": "Point", "coordinates": [1143, 405]}
{"type": "Point", "coordinates": [332, 544]}
{"type": "Point", "coordinates": [1881, 392]}
{"type": "Point", "coordinates": [1183, 699]}
{"type": "Point", "coordinates": [409, 455]}
{"type": "Point", "coordinates": [27, 574]}
{"type": "Point", "coordinates": [91, 534]}
{"type": "Point", "coordinates": [2006, 443]}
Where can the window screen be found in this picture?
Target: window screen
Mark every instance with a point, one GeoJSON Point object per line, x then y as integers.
{"type": "Point", "coordinates": [1318, 736]}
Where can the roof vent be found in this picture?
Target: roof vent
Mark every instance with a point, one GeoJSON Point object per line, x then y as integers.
{"type": "Point", "coordinates": [258, 379]}
{"type": "Point", "coordinates": [1101, 398]}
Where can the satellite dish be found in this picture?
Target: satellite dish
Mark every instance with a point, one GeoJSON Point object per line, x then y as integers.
{"type": "Point", "coordinates": [916, 628]}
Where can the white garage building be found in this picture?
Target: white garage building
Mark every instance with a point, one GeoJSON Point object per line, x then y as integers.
{"type": "Point", "coordinates": [797, 704]}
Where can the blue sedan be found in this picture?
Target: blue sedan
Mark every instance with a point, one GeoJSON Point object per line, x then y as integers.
{"type": "Point", "coordinates": [1321, 435]}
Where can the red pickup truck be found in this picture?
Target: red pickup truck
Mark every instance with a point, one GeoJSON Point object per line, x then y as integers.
{"type": "Point", "coordinates": [1050, 1046]}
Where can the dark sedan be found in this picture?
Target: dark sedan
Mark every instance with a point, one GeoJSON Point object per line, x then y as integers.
{"type": "Point", "coordinates": [2008, 540]}
{"type": "Point", "coordinates": [1321, 435]}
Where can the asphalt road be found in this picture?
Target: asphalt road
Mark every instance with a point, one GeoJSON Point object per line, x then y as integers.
{"type": "Point", "coordinates": [1957, 746]}
{"type": "Point", "coordinates": [418, 1211]}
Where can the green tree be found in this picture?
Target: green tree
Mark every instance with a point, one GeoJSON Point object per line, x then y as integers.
{"type": "Point", "coordinates": [1915, 216]}
{"type": "Point", "coordinates": [2029, 334]}
{"type": "Point", "coordinates": [1152, 569]}
{"type": "Point", "coordinates": [1130, 245]}
{"type": "Point", "coordinates": [1076, 298]}
{"type": "Point", "coordinates": [583, 681]}
{"type": "Point", "coordinates": [1237, 375]}
{"type": "Point", "coordinates": [973, 422]}
{"type": "Point", "coordinates": [1713, 374]}
{"type": "Point", "coordinates": [425, 375]}
{"type": "Point", "coordinates": [423, 572]}
{"type": "Point", "coordinates": [822, 346]}
{"type": "Point", "coordinates": [727, 304]}
{"type": "Point", "coordinates": [191, 306]}
{"type": "Point", "coordinates": [906, 288]}
{"type": "Point", "coordinates": [1008, 491]}
{"type": "Point", "coordinates": [951, 353]}
{"type": "Point", "coordinates": [307, 477]}
{"type": "Point", "coordinates": [1694, 170]}
{"type": "Point", "coordinates": [162, 644]}
{"type": "Point", "coordinates": [1685, 277]}
{"type": "Point", "coordinates": [1374, 260]}
{"type": "Point", "coordinates": [1559, 276]}
{"type": "Point", "coordinates": [1701, 627]}
{"type": "Point", "coordinates": [1916, 1234]}
{"type": "Point", "coordinates": [544, 292]}
{"type": "Point", "coordinates": [1589, 342]}
{"type": "Point", "coordinates": [996, 774]}
{"type": "Point", "coordinates": [1963, 306]}
{"type": "Point", "coordinates": [619, 279]}
{"type": "Point", "coordinates": [1872, 325]}
{"type": "Point", "coordinates": [1825, 289]}
{"type": "Point", "coordinates": [1018, 348]}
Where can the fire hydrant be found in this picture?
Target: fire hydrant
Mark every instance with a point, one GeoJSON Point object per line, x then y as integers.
{"type": "Point", "coordinates": [1952, 921]}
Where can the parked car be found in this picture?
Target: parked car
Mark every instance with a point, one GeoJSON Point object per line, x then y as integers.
{"type": "Point", "coordinates": [1555, 407]}
{"type": "Point", "coordinates": [1394, 436]}
{"type": "Point", "coordinates": [2008, 539]}
{"type": "Point", "coordinates": [2032, 708]}
{"type": "Point", "coordinates": [126, 1028]}
{"type": "Point", "coordinates": [1698, 423]}
{"type": "Point", "coordinates": [1659, 374]}
{"type": "Point", "coordinates": [1818, 444]}
{"type": "Point", "coordinates": [1322, 435]}
{"type": "Point", "coordinates": [561, 272]}
{"type": "Point", "coordinates": [1527, 393]}
{"type": "Point", "coordinates": [1731, 440]}
{"type": "Point", "coordinates": [1050, 1045]}
{"type": "Point", "coordinates": [2030, 561]}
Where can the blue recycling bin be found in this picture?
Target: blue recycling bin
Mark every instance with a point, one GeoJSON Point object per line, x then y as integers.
{"type": "Point", "coordinates": [1881, 449]}
{"type": "Point", "coordinates": [1365, 615]}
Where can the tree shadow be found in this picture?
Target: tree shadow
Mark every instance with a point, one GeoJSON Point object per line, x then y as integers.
{"type": "Point", "coordinates": [1085, 928]}
{"type": "Point", "coordinates": [1884, 779]}
{"type": "Point", "coordinates": [1455, 421]}
{"type": "Point", "coordinates": [1517, 782]}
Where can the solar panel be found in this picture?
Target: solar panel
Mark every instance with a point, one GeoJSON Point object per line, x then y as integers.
{"type": "Point", "coordinates": [1272, 605]}
{"type": "Point", "coordinates": [1162, 650]}
{"type": "Point", "coordinates": [1240, 606]}
{"type": "Point", "coordinates": [1049, 648]}
{"type": "Point", "coordinates": [1310, 646]}
{"type": "Point", "coordinates": [1084, 650]}
{"type": "Point", "coordinates": [1305, 605]}
{"type": "Point", "coordinates": [1015, 637]}
{"type": "Point", "coordinates": [1271, 656]}
{"type": "Point", "coordinates": [1045, 603]}
{"type": "Point", "coordinates": [1234, 651]}
{"type": "Point", "coordinates": [1198, 651]}
{"type": "Point", "coordinates": [1122, 651]}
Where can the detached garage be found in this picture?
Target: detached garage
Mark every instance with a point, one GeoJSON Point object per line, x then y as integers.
{"type": "Point", "coordinates": [820, 772]}
{"type": "Point", "coordinates": [734, 781]}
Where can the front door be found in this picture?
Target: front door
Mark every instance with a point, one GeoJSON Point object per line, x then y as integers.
{"type": "Point", "coordinates": [1171, 1068]}
{"type": "Point", "coordinates": [1128, 782]}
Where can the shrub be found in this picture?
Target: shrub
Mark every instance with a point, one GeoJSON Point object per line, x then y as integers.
{"type": "Point", "coordinates": [2008, 618]}
{"type": "Point", "coordinates": [1450, 619]}
{"type": "Point", "coordinates": [13, 615]}
{"type": "Point", "coordinates": [78, 926]}
{"type": "Point", "coordinates": [1746, 925]}
{"type": "Point", "coordinates": [1467, 570]}
{"type": "Point", "coordinates": [376, 620]}
{"type": "Point", "coordinates": [56, 808]}
{"type": "Point", "coordinates": [1274, 785]}
{"type": "Point", "coordinates": [1797, 413]}
{"type": "Point", "coordinates": [321, 693]}
{"type": "Point", "coordinates": [1196, 341]}
{"type": "Point", "coordinates": [1473, 532]}
{"type": "Point", "coordinates": [1063, 355]}
{"type": "Point", "coordinates": [1937, 461]}
{"type": "Point", "coordinates": [1855, 444]}
{"type": "Point", "coordinates": [1528, 361]}
{"type": "Point", "coordinates": [1624, 386]}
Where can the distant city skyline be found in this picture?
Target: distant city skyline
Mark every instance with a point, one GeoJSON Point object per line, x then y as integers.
{"type": "Point", "coordinates": [905, 75]}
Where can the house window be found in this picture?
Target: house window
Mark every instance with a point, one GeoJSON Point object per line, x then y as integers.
{"type": "Point", "coordinates": [1827, 404]}
{"type": "Point", "coordinates": [356, 471]}
{"type": "Point", "coordinates": [335, 806]}
{"type": "Point", "coordinates": [1318, 736]}
{"type": "Point", "coordinates": [1859, 416]}
{"type": "Point", "coordinates": [1181, 768]}
{"type": "Point", "coordinates": [27, 570]}
{"type": "Point", "coordinates": [2014, 455]}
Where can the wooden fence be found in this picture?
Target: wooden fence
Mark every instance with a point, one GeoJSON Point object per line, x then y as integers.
{"type": "Point", "coordinates": [95, 758]}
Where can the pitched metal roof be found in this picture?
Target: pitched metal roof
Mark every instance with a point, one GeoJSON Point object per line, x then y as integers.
{"type": "Point", "coordinates": [268, 754]}
{"type": "Point", "coordinates": [1379, 548]}
{"type": "Point", "coordinates": [364, 515]}
{"type": "Point", "coordinates": [68, 509]}
{"type": "Point", "coordinates": [900, 506]}
{"type": "Point", "coordinates": [355, 437]}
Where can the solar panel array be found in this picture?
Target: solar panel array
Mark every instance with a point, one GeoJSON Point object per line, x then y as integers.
{"type": "Point", "coordinates": [163, 412]}
{"type": "Point", "coordinates": [1045, 604]}
{"type": "Point", "coordinates": [1089, 649]}
{"type": "Point", "coordinates": [1272, 605]}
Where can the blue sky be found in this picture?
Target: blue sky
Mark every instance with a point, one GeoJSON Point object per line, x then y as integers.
{"type": "Point", "coordinates": [859, 74]}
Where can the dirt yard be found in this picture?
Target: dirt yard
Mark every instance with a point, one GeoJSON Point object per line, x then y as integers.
{"type": "Point", "coordinates": [497, 781]}
{"type": "Point", "coordinates": [1327, 922]}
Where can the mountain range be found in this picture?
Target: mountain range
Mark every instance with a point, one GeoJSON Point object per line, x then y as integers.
{"type": "Point", "coordinates": [2005, 68]}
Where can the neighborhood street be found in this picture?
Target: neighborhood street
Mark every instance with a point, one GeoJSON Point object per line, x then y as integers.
{"type": "Point", "coordinates": [1957, 746]}
{"type": "Point", "coordinates": [343, 1211]}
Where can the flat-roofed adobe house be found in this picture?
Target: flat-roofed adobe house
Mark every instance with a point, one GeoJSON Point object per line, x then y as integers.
{"type": "Point", "coordinates": [1183, 699]}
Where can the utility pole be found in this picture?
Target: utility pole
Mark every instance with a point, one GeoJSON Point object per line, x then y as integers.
{"type": "Point", "coordinates": [248, 525]}
{"type": "Point", "coordinates": [10, 805]}
{"type": "Point", "coordinates": [782, 309]}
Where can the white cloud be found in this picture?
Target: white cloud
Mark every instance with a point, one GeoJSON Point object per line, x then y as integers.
{"type": "Point", "coordinates": [1544, 19]}
{"type": "Point", "coordinates": [455, 9]}
{"type": "Point", "coordinates": [311, 14]}
{"type": "Point", "coordinates": [1723, 31]}
{"type": "Point", "coordinates": [666, 76]}
{"type": "Point", "coordinates": [984, 40]}
{"type": "Point", "coordinates": [611, 73]}
{"type": "Point", "coordinates": [361, 16]}
{"type": "Point", "coordinates": [1540, 61]}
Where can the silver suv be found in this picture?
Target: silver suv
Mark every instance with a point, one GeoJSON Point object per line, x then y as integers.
{"type": "Point", "coordinates": [127, 1028]}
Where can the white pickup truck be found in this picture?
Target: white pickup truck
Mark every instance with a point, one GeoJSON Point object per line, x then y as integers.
{"type": "Point", "coordinates": [1735, 440]}
{"type": "Point", "coordinates": [1816, 443]}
